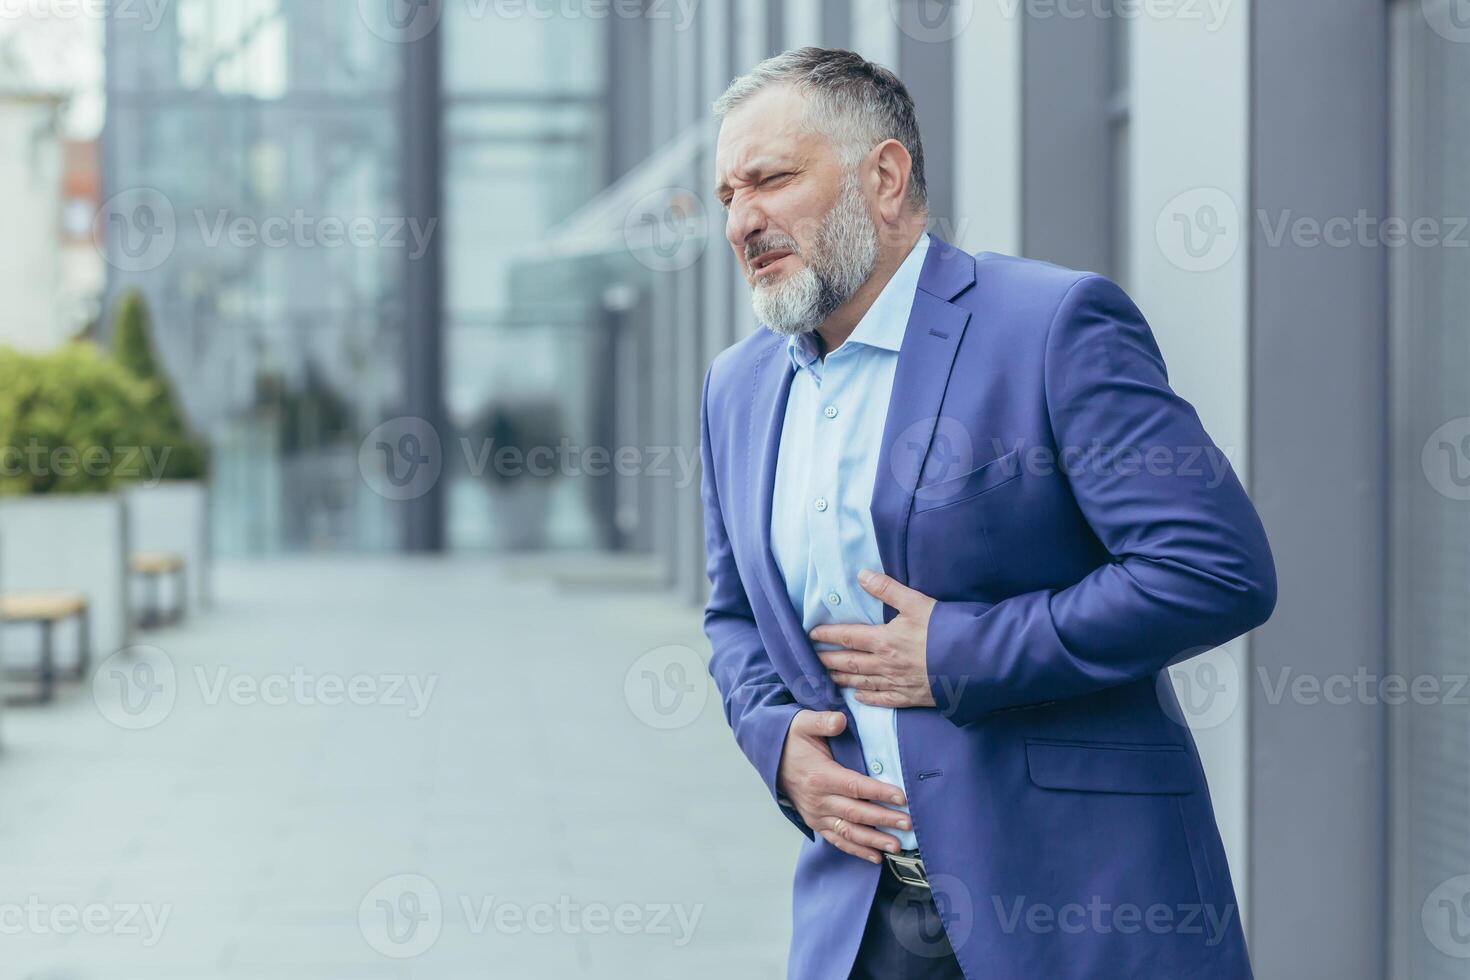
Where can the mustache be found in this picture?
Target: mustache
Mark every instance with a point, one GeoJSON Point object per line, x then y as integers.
{"type": "Point", "coordinates": [763, 245]}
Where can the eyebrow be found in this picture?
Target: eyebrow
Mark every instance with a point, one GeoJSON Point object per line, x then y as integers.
{"type": "Point", "coordinates": [758, 166]}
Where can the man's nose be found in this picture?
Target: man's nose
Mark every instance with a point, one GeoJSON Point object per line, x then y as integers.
{"type": "Point", "coordinates": [744, 223]}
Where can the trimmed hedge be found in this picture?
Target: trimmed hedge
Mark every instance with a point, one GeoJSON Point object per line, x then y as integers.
{"type": "Point", "coordinates": [69, 421]}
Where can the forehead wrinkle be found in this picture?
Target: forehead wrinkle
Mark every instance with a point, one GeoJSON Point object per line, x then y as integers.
{"type": "Point", "coordinates": [792, 135]}
{"type": "Point", "coordinates": [763, 161]}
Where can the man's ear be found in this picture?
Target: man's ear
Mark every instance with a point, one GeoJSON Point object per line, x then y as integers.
{"type": "Point", "coordinates": [892, 166]}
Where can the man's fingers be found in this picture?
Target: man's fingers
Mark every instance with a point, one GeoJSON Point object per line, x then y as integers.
{"type": "Point", "coordinates": [838, 780]}
{"type": "Point", "coordinates": [892, 592]}
{"type": "Point", "coordinates": [824, 724]}
{"type": "Point", "coordinates": [884, 699]}
{"type": "Point", "coordinates": [850, 661]}
{"type": "Point", "coordinates": [863, 835]}
{"type": "Point", "coordinates": [870, 814]}
{"type": "Point", "coordinates": [855, 636]}
{"type": "Point", "coordinates": [859, 682]}
{"type": "Point", "coordinates": [847, 846]}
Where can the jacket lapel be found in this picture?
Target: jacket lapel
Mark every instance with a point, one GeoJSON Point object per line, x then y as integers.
{"type": "Point", "coordinates": [930, 341]}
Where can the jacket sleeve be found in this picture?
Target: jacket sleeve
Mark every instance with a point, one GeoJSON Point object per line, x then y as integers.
{"type": "Point", "coordinates": [758, 705]}
{"type": "Point", "coordinates": [1190, 566]}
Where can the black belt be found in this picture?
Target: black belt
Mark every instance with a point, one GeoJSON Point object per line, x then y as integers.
{"type": "Point", "coordinates": [908, 867]}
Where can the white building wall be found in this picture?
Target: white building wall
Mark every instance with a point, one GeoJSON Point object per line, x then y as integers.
{"type": "Point", "coordinates": [987, 113]}
{"type": "Point", "coordinates": [875, 32]}
{"type": "Point", "coordinates": [30, 248]}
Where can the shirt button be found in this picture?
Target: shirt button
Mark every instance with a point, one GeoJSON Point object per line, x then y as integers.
{"type": "Point", "coordinates": [830, 411]}
{"type": "Point", "coordinates": [876, 767]}
{"type": "Point", "coordinates": [820, 503]}
{"type": "Point", "coordinates": [833, 599]}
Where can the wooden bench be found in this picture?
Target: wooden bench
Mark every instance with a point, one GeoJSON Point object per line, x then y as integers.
{"type": "Point", "coordinates": [47, 609]}
{"type": "Point", "coordinates": [151, 567]}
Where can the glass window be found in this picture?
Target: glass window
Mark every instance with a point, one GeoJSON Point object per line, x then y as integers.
{"type": "Point", "coordinates": [524, 149]}
{"type": "Point", "coordinates": [271, 128]}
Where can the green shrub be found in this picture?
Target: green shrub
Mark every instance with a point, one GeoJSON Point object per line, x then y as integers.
{"type": "Point", "coordinates": [161, 424]}
{"type": "Point", "coordinates": [69, 421]}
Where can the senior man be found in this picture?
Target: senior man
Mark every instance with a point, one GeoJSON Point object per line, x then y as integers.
{"type": "Point", "coordinates": [958, 525]}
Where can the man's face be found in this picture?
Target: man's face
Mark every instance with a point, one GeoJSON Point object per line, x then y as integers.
{"type": "Point", "coordinates": [798, 222]}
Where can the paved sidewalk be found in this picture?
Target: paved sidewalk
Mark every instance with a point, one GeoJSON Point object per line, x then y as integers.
{"type": "Point", "coordinates": [393, 768]}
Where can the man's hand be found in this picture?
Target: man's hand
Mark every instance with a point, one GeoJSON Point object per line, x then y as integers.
{"type": "Point", "coordinates": [831, 798]}
{"type": "Point", "coordinates": [886, 665]}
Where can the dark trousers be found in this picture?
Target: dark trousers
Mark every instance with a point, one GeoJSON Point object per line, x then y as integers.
{"type": "Point", "coordinates": [904, 938]}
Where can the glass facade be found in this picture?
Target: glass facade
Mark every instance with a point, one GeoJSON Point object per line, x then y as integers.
{"type": "Point", "coordinates": [265, 135]}
{"type": "Point", "coordinates": [267, 125]}
{"type": "Point", "coordinates": [524, 148]}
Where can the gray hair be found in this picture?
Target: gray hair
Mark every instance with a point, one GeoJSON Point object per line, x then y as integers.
{"type": "Point", "coordinates": [855, 102]}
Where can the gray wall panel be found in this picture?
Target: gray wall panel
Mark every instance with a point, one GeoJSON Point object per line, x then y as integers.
{"type": "Point", "coordinates": [1318, 436]}
{"type": "Point", "coordinates": [1067, 180]}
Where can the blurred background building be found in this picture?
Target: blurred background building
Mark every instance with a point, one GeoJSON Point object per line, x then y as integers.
{"type": "Point", "coordinates": [497, 219]}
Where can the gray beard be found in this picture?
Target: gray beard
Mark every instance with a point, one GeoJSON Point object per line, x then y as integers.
{"type": "Point", "coordinates": [838, 263]}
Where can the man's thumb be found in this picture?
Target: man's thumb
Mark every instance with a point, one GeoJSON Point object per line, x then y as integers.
{"type": "Point", "coordinates": [832, 723]}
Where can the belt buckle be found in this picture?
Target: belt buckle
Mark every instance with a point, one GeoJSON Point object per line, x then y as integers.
{"type": "Point", "coordinates": [909, 870]}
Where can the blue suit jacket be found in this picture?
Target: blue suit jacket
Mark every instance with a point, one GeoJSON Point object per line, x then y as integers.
{"type": "Point", "coordinates": [1041, 480]}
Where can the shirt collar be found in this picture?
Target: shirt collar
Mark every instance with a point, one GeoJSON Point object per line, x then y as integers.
{"type": "Point", "coordinates": [884, 324]}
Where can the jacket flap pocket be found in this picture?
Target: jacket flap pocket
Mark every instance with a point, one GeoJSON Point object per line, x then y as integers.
{"type": "Point", "coordinates": [984, 477]}
{"type": "Point", "coordinates": [1098, 768]}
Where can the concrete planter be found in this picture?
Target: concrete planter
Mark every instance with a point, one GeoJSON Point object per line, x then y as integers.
{"type": "Point", "coordinates": [174, 516]}
{"type": "Point", "coordinates": [74, 543]}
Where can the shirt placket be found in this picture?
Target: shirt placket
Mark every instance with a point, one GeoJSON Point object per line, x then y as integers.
{"type": "Point", "coordinates": [823, 496]}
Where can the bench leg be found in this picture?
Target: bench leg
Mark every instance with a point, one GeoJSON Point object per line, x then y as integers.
{"type": "Point", "coordinates": [84, 642]}
{"type": "Point", "coordinates": [151, 604]}
{"type": "Point", "coordinates": [48, 664]}
{"type": "Point", "coordinates": [180, 584]}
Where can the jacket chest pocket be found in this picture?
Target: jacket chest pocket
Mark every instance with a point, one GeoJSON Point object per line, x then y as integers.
{"type": "Point", "coordinates": [957, 489]}
{"type": "Point", "coordinates": [951, 553]}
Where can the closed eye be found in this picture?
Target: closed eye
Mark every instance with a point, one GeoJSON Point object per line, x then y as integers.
{"type": "Point", "coordinates": [726, 201]}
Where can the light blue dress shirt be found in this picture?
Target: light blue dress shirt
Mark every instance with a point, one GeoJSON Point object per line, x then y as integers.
{"type": "Point", "coordinates": [821, 529]}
